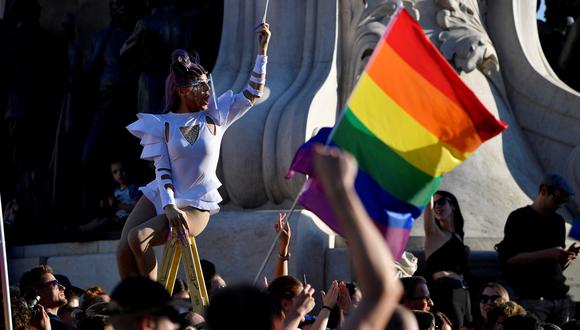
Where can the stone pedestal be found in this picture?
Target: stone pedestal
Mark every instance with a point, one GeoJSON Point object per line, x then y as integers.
{"type": "Point", "coordinates": [235, 241]}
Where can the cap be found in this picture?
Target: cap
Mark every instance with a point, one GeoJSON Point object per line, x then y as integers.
{"type": "Point", "coordinates": [558, 182]}
{"type": "Point", "coordinates": [62, 279]}
{"type": "Point", "coordinates": [406, 266]}
{"type": "Point", "coordinates": [140, 294]}
{"type": "Point", "coordinates": [98, 309]}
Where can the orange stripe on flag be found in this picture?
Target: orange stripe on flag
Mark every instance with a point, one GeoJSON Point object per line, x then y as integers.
{"type": "Point", "coordinates": [409, 41]}
{"type": "Point", "coordinates": [424, 102]}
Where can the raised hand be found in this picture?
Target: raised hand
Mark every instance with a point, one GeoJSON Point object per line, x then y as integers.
{"type": "Point", "coordinates": [303, 303]}
{"type": "Point", "coordinates": [284, 226]}
{"type": "Point", "coordinates": [339, 168]}
{"type": "Point", "coordinates": [329, 299]}
{"type": "Point", "coordinates": [344, 301]}
{"type": "Point", "coordinates": [264, 34]}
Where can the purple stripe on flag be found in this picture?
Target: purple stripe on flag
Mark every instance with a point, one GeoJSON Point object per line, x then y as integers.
{"type": "Point", "coordinates": [302, 161]}
{"type": "Point", "coordinates": [396, 239]}
{"type": "Point", "coordinates": [314, 199]}
{"type": "Point", "coordinates": [393, 218]}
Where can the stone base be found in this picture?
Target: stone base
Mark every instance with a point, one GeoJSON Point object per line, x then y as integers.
{"type": "Point", "coordinates": [235, 241]}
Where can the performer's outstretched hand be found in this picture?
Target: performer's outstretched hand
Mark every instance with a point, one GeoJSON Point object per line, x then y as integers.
{"type": "Point", "coordinates": [263, 31]}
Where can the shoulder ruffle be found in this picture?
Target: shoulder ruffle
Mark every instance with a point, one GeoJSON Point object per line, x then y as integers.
{"type": "Point", "coordinates": [220, 114]}
{"type": "Point", "coordinates": [150, 129]}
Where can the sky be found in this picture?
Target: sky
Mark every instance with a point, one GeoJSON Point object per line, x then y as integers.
{"type": "Point", "coordinates": [540, 14]}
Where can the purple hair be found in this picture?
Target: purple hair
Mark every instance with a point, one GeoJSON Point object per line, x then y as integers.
{"type": "Point", "coordinates": [182, 73]}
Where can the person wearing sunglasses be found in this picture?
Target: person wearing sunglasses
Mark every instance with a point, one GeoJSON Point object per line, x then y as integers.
{"type": "Point", "coordinates": [184, 144]}
{"type": "Point", "coordinates": [416, 294]}
{"type": "Point", "coordinates": [446, 258]}
{"type": "Point", "coordinates": [533, 253]}
{"type": "Point", "coordinates": [490, 295]}
{"type": "Point", "coordinates": [40, 281]}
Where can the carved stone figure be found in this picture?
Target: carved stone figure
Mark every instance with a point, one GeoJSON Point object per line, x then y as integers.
{"type": "Point", "coordinates": [361, 29]}
{"type": "Point", "coordinates": [32, 74]}
{"type": "Point", "coordinates": [179, 24]}
{"type": "Point", "coordinates": [560, 39]}
{"type": "Point", "coordinates": [465, 40]}
{"type": "Point", "coordinates": [115, 82]}
{"type": "Point", "coordinates": [149, 47]}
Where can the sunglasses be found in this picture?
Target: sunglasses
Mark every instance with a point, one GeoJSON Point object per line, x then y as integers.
{"type": "Point", "coordinates": [421, 298]}
{"type": "Point", "coordinates": [440, 202]}
{"type": "Point", "coordinates": [559, 198]}
{"type": "Point", "coordinates": [201, 83]}
{"type": "Point", "coordinates": [53, 283]}
{"type": "Point", "coordinates": [485, 298]}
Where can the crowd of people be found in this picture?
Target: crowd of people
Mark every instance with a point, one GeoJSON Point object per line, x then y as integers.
{"type": "Point", "coordinates": [531, 294]}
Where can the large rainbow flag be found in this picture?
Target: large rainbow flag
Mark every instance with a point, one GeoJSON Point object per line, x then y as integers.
{"type": "Point", "coordinates": [409, 120]}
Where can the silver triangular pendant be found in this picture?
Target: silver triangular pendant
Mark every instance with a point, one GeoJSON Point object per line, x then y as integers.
{"type": "Point", "coordinates": [190, 133]}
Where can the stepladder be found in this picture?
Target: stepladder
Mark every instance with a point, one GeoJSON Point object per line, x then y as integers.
{"type": "Point", "coordinates": [174, 251]}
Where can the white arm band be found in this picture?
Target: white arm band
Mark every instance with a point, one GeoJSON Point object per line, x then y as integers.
{"type": "Point", "coordinates": [253, 91]}
{"type": "Point", "coordinates": [259, 81]}
{"type": "Point", "coordinates": [167, 197]}
{"type": "Point", "coordinates": [260, 66]}
{"type": "Point", "coordinates": [163, 169]}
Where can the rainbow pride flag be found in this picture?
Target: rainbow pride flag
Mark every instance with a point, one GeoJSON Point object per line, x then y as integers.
{"type": "Point", "coordinates": [409, 120]}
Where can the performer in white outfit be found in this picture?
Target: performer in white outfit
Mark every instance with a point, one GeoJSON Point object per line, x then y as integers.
{"type": "Point", "coordinates": [184, 143]}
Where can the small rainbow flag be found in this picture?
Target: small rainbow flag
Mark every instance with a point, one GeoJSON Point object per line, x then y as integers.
{"type": "Point", "coordinates": [409, 120]}
{"type": "Point", "coordinates": [575, 230]}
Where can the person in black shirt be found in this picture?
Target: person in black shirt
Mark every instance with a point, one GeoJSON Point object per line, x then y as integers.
{"type": "Point", "coordinates": [533, 256]}
{"type": "Point", "coordinates": [446, 258]}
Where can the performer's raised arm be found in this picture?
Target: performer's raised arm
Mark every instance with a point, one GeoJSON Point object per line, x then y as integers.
{"type": "Point", "coordinates": [257, 81]}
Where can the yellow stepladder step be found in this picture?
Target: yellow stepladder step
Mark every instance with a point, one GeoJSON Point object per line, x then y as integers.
{"type": "Point", "coordinates": [172, 254]}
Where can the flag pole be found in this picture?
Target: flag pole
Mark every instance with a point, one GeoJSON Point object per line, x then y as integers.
{"type": "Point", "coordinates": [265, 12]}
{"type": "Point", "coordinates": [292, 209]}
{"type": "Point", "coordinates": [4, 274]}
{"type": "Point", "coordinates": [213, 91]}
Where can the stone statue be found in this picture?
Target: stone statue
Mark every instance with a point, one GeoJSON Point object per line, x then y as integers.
{"type": "Point", "coordinates": [178, 24]}
{"type": "Point", "coordinates": [33, 69]}
{"type": "Point", "coordinates": [115, 81]}
{"type": "Point", "coordinates": [559, 39]}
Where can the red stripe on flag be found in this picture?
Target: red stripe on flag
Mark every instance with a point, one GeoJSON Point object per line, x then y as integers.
{"type": "Point", "coordinates": [407, 38]}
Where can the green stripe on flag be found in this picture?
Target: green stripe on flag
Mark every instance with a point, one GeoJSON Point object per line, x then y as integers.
{"type": "Point", "coordinates": [393, 173]}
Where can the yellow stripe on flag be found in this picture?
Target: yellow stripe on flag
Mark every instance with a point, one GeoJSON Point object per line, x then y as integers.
{"type": "Point", "coordinates": [401, 132]}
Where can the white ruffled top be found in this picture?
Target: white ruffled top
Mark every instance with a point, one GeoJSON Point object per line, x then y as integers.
{"type": "Point", "coordinates": [190, 156]}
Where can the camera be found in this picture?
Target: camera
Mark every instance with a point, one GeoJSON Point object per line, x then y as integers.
{"type": "Point", "coordinates": [32, 303]}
